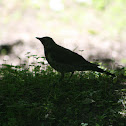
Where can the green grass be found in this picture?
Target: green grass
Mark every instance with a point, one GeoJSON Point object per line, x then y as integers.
{"type": "Point", "coordinates": [37, 98]}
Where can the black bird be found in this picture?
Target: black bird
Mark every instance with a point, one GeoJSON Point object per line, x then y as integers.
{"type": "Point", "coordinates": [64, 60]}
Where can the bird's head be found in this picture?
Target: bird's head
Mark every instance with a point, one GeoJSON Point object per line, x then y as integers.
{"type": "Point", "coordinates": [46, 41]}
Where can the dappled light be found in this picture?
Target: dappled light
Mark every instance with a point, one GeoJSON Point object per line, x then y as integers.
{"type": "Point", "coordinates": [89, 25]}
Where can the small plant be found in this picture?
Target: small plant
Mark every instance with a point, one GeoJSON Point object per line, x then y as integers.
{"type": "Point", "coordinates": [84, 124]}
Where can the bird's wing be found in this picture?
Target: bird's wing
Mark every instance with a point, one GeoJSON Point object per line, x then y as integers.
{"type": "Point", "coordinates": [66, 56]}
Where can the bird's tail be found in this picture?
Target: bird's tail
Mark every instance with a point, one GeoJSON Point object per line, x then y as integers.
{"type": "Point", "coordinates": [103, 71]}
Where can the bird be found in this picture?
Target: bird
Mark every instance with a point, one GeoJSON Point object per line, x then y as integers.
{"type": "Point", "coordinates": [64, 60]}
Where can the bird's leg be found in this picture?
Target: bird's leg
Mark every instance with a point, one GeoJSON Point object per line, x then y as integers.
{"type": "Point", "coordinates": [70, 76]}
{"type": "Point", "coordinates": [62, 76]}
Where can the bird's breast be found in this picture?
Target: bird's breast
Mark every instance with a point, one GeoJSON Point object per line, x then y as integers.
{"type": "Point", "coordinates": [61, 67]}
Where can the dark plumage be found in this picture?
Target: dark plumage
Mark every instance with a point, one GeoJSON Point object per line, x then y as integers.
{"type": "Point", "coordinates": [64, 60]}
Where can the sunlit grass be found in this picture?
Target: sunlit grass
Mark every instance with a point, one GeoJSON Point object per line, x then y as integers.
{"type": "Point", "coordinates": [73, 12]}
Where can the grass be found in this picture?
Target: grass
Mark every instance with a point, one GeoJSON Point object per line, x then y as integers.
{"type": "Point", "coordinates": [37, 98]}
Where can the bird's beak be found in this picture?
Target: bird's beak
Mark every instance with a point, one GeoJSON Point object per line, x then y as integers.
{"type": "Point", "coordinates": [38, 38]}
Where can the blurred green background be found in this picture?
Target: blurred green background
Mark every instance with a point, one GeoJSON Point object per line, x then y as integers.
{"type": "Point", "coordinates": [93, 28]}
